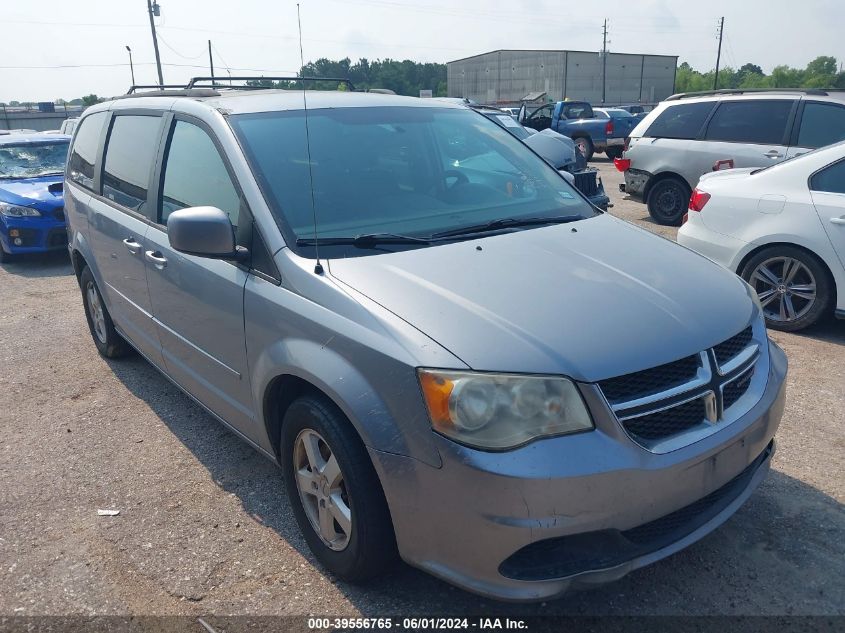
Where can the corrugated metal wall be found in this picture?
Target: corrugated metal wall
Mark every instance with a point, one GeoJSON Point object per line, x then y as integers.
{"type": "Point", "coordinates": [507, 76]}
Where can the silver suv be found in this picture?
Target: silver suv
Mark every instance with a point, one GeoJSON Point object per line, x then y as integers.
{"type": "Point", "coordinates": [451, 354]}
{"type": "Point", "coordinates": [692, 134]}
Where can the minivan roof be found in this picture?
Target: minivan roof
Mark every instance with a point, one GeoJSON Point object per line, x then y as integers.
{"type": "Point", "coordinates": [271, 100]}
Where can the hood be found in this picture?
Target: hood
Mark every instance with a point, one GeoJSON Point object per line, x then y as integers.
{"type": "Point", "coordinates": [591, 300]}
{"type": "Point", "coordinates": [41, 193]}
{"type": "Point", "coordinates": [556, 149]}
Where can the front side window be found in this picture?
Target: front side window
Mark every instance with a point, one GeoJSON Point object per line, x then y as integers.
{"type": "Point", "coordinates": [130, 153]}
{"type": "Point", "coordinates": [84, 152]}
{"type": "Point", "coordinates": [32, 160]}
{"type": "Point", "coordinates": [821, 124]}
{"type": "Point", "coordinates": [412, 171]}
{"type": "Point", "coordinates": [759, 122]}
{"type": "Point", "coordinates": [195, 175]}
{"type": "Point", "coordinates": [831, 179]}
{"type": "Point", "coordinates": [682, 121]}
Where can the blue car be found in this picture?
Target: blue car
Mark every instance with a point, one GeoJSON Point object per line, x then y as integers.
{"type": "Point", "coordinates": [32, 218]}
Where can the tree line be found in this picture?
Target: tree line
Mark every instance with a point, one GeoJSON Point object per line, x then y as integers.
{"type": "Point", "coordinates": [822, 72]}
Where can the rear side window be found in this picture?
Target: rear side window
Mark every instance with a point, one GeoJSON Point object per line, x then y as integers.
{"type": "Point", "coordinates": [761, 122]}
{"type": "Point", "coordinates": [129, 159]}
{"type": "Point", "coordinates": [84, 153]}
{"type": "Point", "coordinates": [682, 121]}
{"type": "Point", "coordinates": [578, 111]}
{"type": "Point", "coordinates": [195, 175]}
{"type": "Point", "coordinates": [830, 179]}
{"type": "Point", "coordinates": [821, 124]}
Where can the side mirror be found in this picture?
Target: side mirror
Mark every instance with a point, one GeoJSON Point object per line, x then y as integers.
{"type": "Point", "coordinates": [522, 114]}
{"type": "Point", "coordinates": [204, 232]}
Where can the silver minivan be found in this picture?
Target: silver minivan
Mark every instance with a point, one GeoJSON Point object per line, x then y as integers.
{"type": "Point", "coordinates": [454, 358]}
{"type": "Point", "coordinates": [689, 135]}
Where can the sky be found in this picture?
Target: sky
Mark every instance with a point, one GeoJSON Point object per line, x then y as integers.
{"type": "Point", "coordinates": [65, 49]}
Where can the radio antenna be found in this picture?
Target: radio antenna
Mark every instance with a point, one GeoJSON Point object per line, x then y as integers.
{"type": "Point", "coordinates": [318, 267]}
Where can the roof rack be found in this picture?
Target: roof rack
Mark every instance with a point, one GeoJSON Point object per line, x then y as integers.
{"type": "Point", "coordinates": [210, 85]}
{"type": "Point", "coordinates": [819, 92]}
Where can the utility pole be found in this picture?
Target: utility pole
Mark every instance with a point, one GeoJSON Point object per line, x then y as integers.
{"type": "Point", "coordinates": [604, 63]}
{"type": "Point", "coordinates": [153, 8]}
{"type": "Point", "coordinates": [131, 67]}
{"type": "Point", "coordinates": [719, 54]}
{"type": "Point", "coordinates": [211, 62]}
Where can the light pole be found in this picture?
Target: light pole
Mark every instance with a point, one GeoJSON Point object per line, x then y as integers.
{"type": "Point", "coordinates": [131, 67]}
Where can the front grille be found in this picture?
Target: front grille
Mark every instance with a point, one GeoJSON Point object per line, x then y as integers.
{"type": "Point", "coordinates": [59, 214]}
{"type": "Point", "coordinates": [586, 182]}
{"type": "Point", "coordinates": [56, 238]}
{"type": "Point", "coordinates": [655, 426]}
{"type": "Point", "coordinates": [650, 381]}
{"type": "Point", "coordinates": [684, 396]}
{"type": "Point", "coordinates": [733, 346]}
{"type": "Point", "coordinates": [733, 391]}
{"type": "Point", "coordinates": [602, 549]}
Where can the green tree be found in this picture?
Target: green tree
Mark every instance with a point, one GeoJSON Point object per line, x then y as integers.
{"type": "Point", "coordinates": [89, 100]}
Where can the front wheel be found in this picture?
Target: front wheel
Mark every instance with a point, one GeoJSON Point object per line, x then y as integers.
{"type": "Point", "coordinates": [668, 200]}
{"type": "Point", "coordinates": [792, 285]}
{"type": "Point", "coordinates": [334, 491]}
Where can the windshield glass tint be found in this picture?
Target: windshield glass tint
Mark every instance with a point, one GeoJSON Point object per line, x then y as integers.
{"type": "Point", "coordinates": [407, 170]}
{"type": "Point", "coordinates": [32, 159]}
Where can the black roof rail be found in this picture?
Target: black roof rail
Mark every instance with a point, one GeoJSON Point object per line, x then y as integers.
{"type": "Point", "coordinates": [135, 87]}
{"type": "Point", "coordinates": [819, 92]}
{"type": "Point", "coordinates": [221, 82]}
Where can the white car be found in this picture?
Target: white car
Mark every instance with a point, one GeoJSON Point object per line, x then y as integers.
{"type": "Point", "coordinates": [782, 228]}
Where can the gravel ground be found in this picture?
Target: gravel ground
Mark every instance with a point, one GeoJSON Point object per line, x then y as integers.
{"type": "Point", "coordinates": [205, 527]}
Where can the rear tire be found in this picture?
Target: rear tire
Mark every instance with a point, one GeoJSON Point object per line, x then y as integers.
{"type": "Point", "coordinates": [793, 286]}
{"type": "Point", "coordinates": [668, 201]}
{"type": "Point", "coordinates": [334, 491]}
{"type": "Point", "coordinates": [584, 144]}
{"type": "Point", "coordinates": [109, 343]}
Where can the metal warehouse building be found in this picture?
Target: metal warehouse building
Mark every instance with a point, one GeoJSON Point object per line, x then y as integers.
{"type": "Point", "coordinates": [507, 76]}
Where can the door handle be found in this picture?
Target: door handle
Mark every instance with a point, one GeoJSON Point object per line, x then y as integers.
{"type": "Point", "coordinates": [131, 245]}
{"type": "Point", "coordinates": [840, 220]}
{"type": "Point", "coordinates": [773, 153]}
{"type": "Point", "coordinates": [155, 258]}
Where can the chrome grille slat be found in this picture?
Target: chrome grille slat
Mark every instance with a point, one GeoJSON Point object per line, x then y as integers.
{"type": "Point", "coordinates": [663, 414]}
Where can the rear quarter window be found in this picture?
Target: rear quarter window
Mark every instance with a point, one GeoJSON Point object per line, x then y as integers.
{"type": "Point", "coordinates": [681, 121]}
{"type": "Point", "coordinates": [831, 179]}
{"type": "Point", "coordinates": [84, 152]}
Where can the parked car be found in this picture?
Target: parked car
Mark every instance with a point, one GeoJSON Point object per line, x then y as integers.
{"type": "Point", "coordinates": [578, 121]}
{"type": "Point", "coordinates": [419, 320]}
{"type": "Point", "coordinates": [31, 209]}
{"type": "Point", "coordinates": [783, 229]}
{"type": "Point", "coordinates": [637, 110]}
{"type": "Point", "coordinates": [68, 126]}
{"type": "Point", "coordinates": [559, 151]}
{"type": "Point", "coordinates": [690, 135]}
{"type": "Point", "coordinates": [623, 123]}
{"type": "Point", "coordinates": [17, 131]}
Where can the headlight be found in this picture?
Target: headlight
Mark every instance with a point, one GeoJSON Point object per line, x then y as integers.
{"type": "Point", "coordinates": [501, 411]}
{"type": "Point", "coordinates": [14, 211]}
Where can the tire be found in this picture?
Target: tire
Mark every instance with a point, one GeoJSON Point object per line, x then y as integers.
{"type": "Point", "coordinates": [364, 547]}
{"type": "Point", "coordinates": [586, 146]}
{"type": "Point", "coordinates": [668, 201]}
{"type": "Point", "coordinates": [793, 286]}
{"type": "Point", "coordinates": [109, 343]}
{"type": "Point", "coordinates": [614, 152]}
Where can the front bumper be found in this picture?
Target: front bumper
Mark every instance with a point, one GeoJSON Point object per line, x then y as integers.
{"type": "Point", "coordinates": [468, 521]}
{"type": "Point", "coordinates": [36, 235]}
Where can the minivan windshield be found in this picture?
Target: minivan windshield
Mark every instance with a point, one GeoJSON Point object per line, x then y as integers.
{"type": "Point", "coordinates": [31, 160]}
{"type": "Point", "coordinates": [407, 171]}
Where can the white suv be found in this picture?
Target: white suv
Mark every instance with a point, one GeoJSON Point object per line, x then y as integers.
{"type": "Point", "coordinates": [691, 134]}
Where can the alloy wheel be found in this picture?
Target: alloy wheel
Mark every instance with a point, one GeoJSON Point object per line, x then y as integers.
{"type": "Point", "coordinates": [98, 316]}
{"type": "Point", "coordinates": [786, 288]}
{"type": "Point", "coordinates": [322, 489]}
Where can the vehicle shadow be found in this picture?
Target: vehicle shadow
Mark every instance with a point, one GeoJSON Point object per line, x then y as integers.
{"type": "Point", "coordinates": [748, 566]}
{"type": "Point", "coordinates": [40, 265]}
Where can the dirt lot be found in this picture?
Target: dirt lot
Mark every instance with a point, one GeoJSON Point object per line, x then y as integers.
{"type": "Point", "coordinates": [204, 525]}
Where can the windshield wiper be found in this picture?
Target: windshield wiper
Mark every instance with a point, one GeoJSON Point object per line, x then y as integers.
{"type": "Point", "coordinates": [367, 240]}
{"type": "Point", "coordinates": [506, 223]}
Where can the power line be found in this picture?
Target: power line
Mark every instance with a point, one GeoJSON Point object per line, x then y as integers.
{"type": "Point", "coordinates": [178, 54]}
